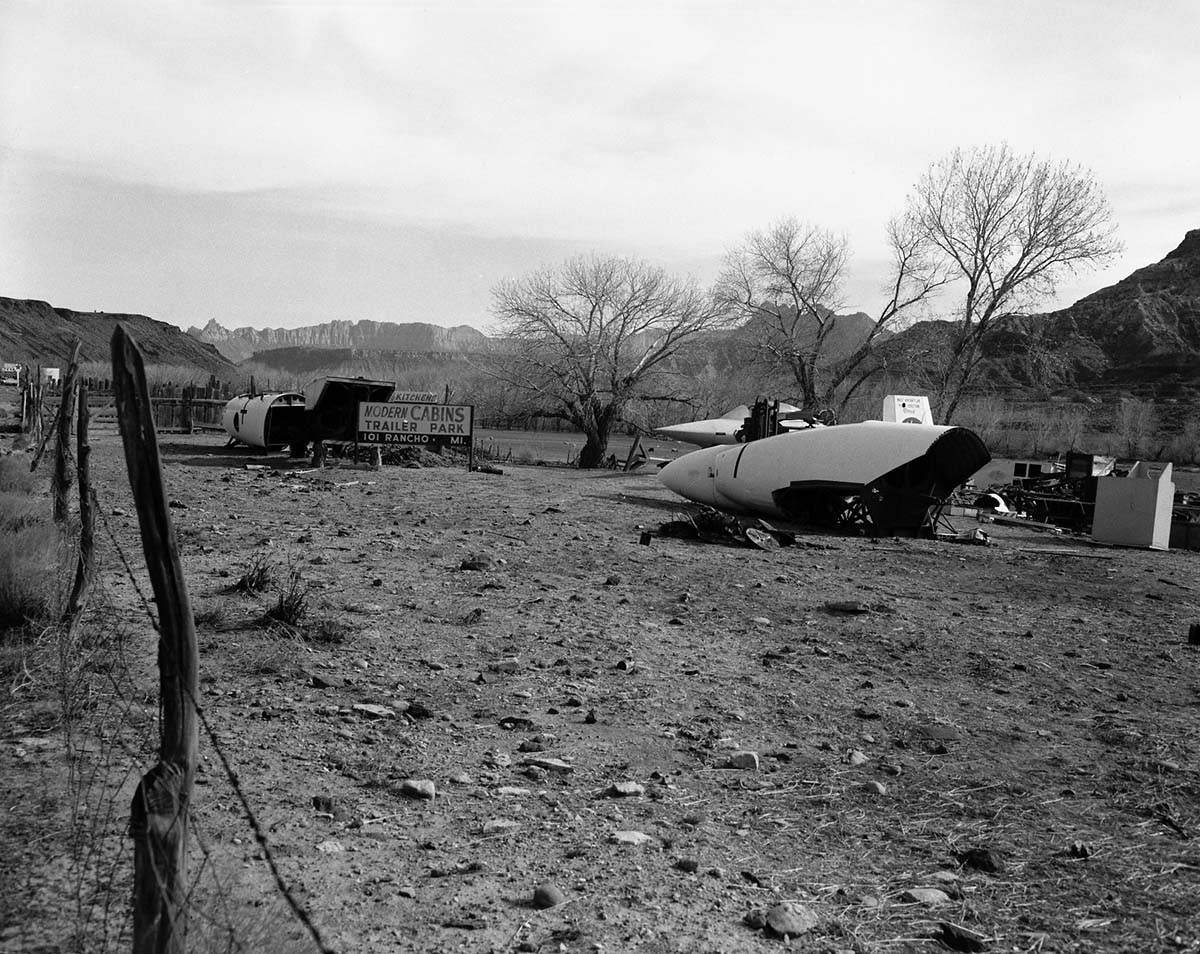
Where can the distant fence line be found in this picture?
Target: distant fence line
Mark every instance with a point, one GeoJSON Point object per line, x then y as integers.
{"type": "Point", "coordinates": [214, 390]}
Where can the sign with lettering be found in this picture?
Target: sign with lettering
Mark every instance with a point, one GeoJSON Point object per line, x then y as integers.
{"type": "Point", "coordinates": [398, 422]}
{"type": "Point", "coordinates": [413, 397]}
{"type": "Point", "coordinates": [907, 409]}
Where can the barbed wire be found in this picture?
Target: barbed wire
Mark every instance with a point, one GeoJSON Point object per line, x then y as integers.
{"type": "Point", "coordinates": [108, 722]}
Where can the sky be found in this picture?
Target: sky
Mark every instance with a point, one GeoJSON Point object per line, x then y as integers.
{"type": "Point", "coordinates": [280, 164]}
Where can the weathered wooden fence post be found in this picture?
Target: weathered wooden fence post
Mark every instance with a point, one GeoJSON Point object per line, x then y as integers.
{"type": "Point", "coordinates": [61, 484]}
{"type": "Point", "coordinates": [85, 570]}
{"type": "Point", "coordinates": [185, 422]}
{"type": "Point", "coordinates": [159, 814]}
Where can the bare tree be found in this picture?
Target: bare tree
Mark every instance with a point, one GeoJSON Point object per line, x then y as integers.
{"type": "Point", "coordinates": [785, 283]}
{"type": "Point", "coordinates": [1008, 227]}
{"type": "Point", "coordinates": [1134, 425]}
{"type": "Point", "coordinates": [586, 338]}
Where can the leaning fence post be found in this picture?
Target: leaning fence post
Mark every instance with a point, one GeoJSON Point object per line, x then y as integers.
{"type": "Point", "coordinates": [159, 814]}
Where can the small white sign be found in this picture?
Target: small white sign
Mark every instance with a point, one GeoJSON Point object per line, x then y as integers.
{"type": "Point", "coordinates": [907, 409]}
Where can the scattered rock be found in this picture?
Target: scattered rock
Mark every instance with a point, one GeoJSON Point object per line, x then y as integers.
{"type": "Point", "coordinates": [461, 778]}
{"type": "Point", "coordinates": [959, 939]}
{"type": "Point", "coordinates": [625, 789]}
{"type": "Point", "coordinates": [745, 760]}
{"type": "Point", "coordinates": [930, 897]}
{"type": "Point", "coordinates": [548, 895]}
{"type": "Point", "coordinates": [790, 919]}
{"type": "Point", "coordinates": [939, 732]}
{"type": "Point", "coordinates": [635, 838]}
{"type": "Point", "coordinates": [368, 710]}
{"type": "Point", "coordinates": [417, 788]}
{"type": "Point", "coordinates": [1080, 850]}
{"type": "Point", "coordinates": [981, 859]}
{"type": "Point", "coordinates": [499, 826]}
{"type": "Point", "coordinates": [549, 764]}
{"type": "Point", "coordinates": [331, 847]}
{"type": "Point", "coordinates": [328, 805]}
{"type": "Point", "coordinates": [463, 867]}
{"type": "Point", "coordinates": [690, 865]}
{"type": "Point", "coordinates": [512, 791]}
{"type": "Point", "coordinates": [476, 562]}
{"type": "Point", "coordinates": [875, 788]}
{"type": "Point", "coordinates": [857, 757]}
{"type": "Point", "coordinates": [506, 665]}
{"type": "Point", "coordinates": [865, 713]}
{"type": "Point", "coordinates": [612, 580]}
{"type": "Point", "coordinates": [465, 924]}
{"type": "Point", "coordinates": [853, 607]}
{"type": "Point", "coordinates": [318, 681]}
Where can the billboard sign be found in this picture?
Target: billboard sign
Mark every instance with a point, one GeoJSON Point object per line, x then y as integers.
{"type": "Point", "coordinates": [398, 423]}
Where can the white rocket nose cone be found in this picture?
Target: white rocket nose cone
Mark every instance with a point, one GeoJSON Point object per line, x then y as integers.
{"type": "Point", "coordinates": [677, 432]}
{"type": "Point", "coordinates": [690, 477]}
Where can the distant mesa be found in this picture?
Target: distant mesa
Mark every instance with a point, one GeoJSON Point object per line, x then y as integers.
{"type": "Point", "coordinates": [1139, 336]}
{"type": "Point", "coordinates": [34, 332]}
{"type": "Point", "coordinates": [239, 344]}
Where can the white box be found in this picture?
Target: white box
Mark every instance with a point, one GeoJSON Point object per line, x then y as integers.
{"type": "Point", "coordinates": [1135, 510]}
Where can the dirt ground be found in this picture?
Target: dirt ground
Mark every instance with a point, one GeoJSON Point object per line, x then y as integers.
{"type": "Point", "coordinates": [900, 745]}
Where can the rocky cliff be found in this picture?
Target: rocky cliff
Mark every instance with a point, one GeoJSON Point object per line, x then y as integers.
{"type": "Point", "coordinates": [1140, 336]}
{"type": "Point", "coordinates": [240, 343]}
{"type": "Point", "coordinates": [34, 332]}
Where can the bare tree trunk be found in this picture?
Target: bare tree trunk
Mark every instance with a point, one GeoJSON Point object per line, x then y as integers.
{"type": "Point", "coordinates": [66, 413]}
{"type": "Point", "coordinates": [159, 814]}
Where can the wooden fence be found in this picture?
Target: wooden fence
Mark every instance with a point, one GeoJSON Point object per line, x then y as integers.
{"type": "Point", "coordinates": [185, 408]}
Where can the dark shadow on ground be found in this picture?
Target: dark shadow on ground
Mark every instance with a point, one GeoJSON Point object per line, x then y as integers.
{"type": "Point", "coordinates": [195, 454]}
{"type": "Point", "coordinates": [673, 506]}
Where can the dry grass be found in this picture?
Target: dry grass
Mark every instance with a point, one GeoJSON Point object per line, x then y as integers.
{"type": "Point", "coordinates": [259, 576]}
{"type": "Point", "coordinates": [15, 476]}
{"type": "Point", "coordinates": [30, 550]}
{"type": "Point", "coordinates": [291, 604]}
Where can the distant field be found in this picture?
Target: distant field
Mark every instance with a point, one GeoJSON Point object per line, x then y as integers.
{"type": "Point", "coordinates": [563, 447]}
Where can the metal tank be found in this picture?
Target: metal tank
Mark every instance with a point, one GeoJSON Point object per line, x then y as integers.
{"type": "Point", "coordinates": [264, 420]}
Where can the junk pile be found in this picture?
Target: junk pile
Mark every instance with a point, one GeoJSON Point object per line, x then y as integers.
{"type": "Point", "coordinates": [712, 526]}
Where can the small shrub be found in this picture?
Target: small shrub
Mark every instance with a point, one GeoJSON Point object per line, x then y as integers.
{"type": "Point", "coordinates": [292, 604]}
{"type": "Point", "coordinates": [327, 631]}
{"type": "Point", "coordinates": [211, 616]}
{"type": "Point", "coordinates": [258, 576]}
